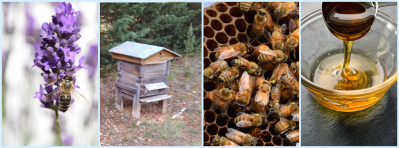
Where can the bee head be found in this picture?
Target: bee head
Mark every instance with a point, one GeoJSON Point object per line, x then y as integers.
{"type": "Point", "coordinates": [248, 47]}
{"type": "Point", "coordinates": [264, 120]}
{"type": "Point", "coordinates": [258, 72]}
{"type": "Point", "coordinates": [68, 78]}
{"type": "Point", "coordinates": [254, 141]}
{"type": "Point", "coordinates": [276, 106]}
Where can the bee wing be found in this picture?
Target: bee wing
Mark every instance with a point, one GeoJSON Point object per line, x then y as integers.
{"type": "Point", "coordinates": [295, 116]}
{"type": "Point", "coordinates": [283, 28]}
{"type": "Point", "coordinates": [226, 52]}
{"type": "Point", "coordinates": [51, 96]}
{"type": "Point", "coordinates": [259, 96]}
{"type": "Point", "coordinates": [79, 97]}
{"type": "Point", "coordinates": [292, 25]}
{"type": "Point", "coordinates": [243, 123]}
{"type": "Point", "coordinates": [267, 52]}
{"type": "Point", "coordinates": [243, 113]}
{"type": "Point", "coordinates": [267, 35]}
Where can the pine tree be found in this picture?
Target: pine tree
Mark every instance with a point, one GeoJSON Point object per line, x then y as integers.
{"type": "Point", "coordinates": [161, 24]}
{"type": "Point", "coordinates": [189, 43]}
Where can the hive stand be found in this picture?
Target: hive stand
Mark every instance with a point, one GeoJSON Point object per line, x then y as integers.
{"type": "Point", "coordinates": [142, 75]}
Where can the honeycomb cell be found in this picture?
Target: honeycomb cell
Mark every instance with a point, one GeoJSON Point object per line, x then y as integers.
{"type": "Point", "coordinates": [225, 18]}
{"type": "Point", "coordinates": [210, 117]}
{"type": "Point", "coordinates": [230, 30]}
{"type": "Point", "coordinates": [235, 12]}
{"type": "Point", "coordinates": [222, 121]}
{"type": "Point", "coordinates": [205, 52]}
{"type": "Point", "coordinates": [208, 32]}
{"type": "Point", "coordinates": [231, 3]}
{"type": "Point", "coordinates": [242, 37]}
{"type": "Point", "coordinates": [231, 111]}
{"type": "Point", "coordinates": [207, 144]}
{"type": "Point", "coordinates": [207, 103]}
{"type": "Point", "coordinates": [222, 38]}
{"type": "Point", "coordinates": [216, 24]}
{"type": "Point", "coordinates": [206, 137]}
{"type": "Point", "coordinates": [207, 62]}
{"type": "Point", "coordinates": [211, 44]}
{"type": "Point", "coordinates": [250, 16]}
{"type": "Point", "coordinates": [266, 136]}
{"type": "Point", "coordinates": [269, 144]}
{"type": "Point", "coordinates": [221, 7]}
{"type": "Point", "coordinates": [277, 140]}
{"type": "Point", "coordinates": [209, 86]}
{"type": "Point", "coordinates": [206, 20]}
{"type": "Point", "coordinates": [259, 143]}
{"type": "Point", "coordinates": [211, 13]}
{"type": "Point", "coordinates": [241, 25]}
{"type": "Point", "coordinates": [263, 40]}
{"type": "Point", "coordinates": [255, 43]}
{"type": "Point", "coordinates": [212, 56]}
{"type": "Point", "coordinates": [222, 131]}
{"type": "Point", "coordinates": [233, 41]}
{"type": "Point", "coordinates": [212, 129]}
{"type": "Point", "coordinates": [232, 124]}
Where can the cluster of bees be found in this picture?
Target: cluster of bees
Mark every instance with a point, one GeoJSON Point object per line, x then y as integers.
{"type": "Point", "coordinates": [260, 83]}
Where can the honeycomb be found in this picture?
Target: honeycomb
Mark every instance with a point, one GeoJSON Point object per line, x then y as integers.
{"type": "Point", "coordinates": [224, 24]}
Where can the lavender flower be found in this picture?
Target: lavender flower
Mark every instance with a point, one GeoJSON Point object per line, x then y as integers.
{"type": "Point", "coordinates": [56, 57]}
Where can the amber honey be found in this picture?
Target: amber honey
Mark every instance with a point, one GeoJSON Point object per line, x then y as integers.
{"type": "Point", "coordinates": [348, 22]}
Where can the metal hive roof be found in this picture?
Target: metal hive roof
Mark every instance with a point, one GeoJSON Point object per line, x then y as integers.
{"type": "Point", "coordinates": [138, 50]}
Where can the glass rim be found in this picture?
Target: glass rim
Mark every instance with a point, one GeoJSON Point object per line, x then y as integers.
{"type": "Point", "coordinates": [380, 87]}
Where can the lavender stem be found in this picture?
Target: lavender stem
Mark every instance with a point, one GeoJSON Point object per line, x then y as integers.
{"type": "Point", "coordinates": [57, 121]}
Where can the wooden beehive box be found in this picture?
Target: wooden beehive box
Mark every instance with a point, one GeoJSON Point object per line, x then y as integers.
{"type": "Point", "coordinates": [142, 74]}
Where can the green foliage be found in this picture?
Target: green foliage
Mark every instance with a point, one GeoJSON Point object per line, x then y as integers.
{"type": "Point", "coordinates": [161, 24]}
{"type": "Point", "coordinates": [187, 72]}
{"type": "Point", "coordinates": [126, 140]}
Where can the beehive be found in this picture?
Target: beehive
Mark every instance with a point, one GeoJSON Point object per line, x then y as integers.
{"type": "Point", "coordinates": [224, 24]}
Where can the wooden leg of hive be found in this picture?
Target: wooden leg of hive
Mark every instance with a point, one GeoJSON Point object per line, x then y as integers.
{"type": "Point", "coordinates": [162, 105]}
{"type": "Point", "coordinates": [136, 104]}
{"type": "Point", "coordinates": [118, 99]}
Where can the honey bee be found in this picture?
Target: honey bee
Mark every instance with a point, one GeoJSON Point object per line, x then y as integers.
{"type": "Point", "coordinates": [64, 93]}
{"type": "Point", "coordinates": [292, 136]}
{"type": "Point", "coordinates": [295, 69]}
{"type": "Point", "coordinates": [241, 138]}
{"type": "Point", "coordinates": [221, 101]}
{"type": "Point", "coordinates": [245, 7]}
{"type": "Point", "coordinates": [273, 6]}
{"type": "Point", "coordinates": [249, 120]}
{"type": "Point", "coordinates": [255, 131]}
{"type": "Point", "coordinates": [278, 72]}
{"type": "Point", "coordinates": [213, 69]}
{"type": "Point", "coordinates": [287, 109]}
{"type": "Point", "coordinates": [290, 80]}
{"type": "Point", "coordinates": [293, 37]}
{"type": "Point", "coordinates": [284, 125]}
{"type": "Point", "coordinates": [276, 95]}
{"type": "Point", "coordinates": [259, 22]}
{"type": "Point", "coordinates": [229, 75]}
{"type": "Point", "coordinates": [263, 94]}
{"type": "Point", "coordinates": [251, 67]}
{"type": "Point", "coordinates": [295, 116]}
{"type": "Point", "coordinates": [222, 141]}
{"type": "Point", "coordinates": [243, 97]}
{"type": "Point", "coordinates": [231, 51]}
{"type": "Point", "coordinates": [277, 38]}
{"type": "Point", "coordinates": [285, 9]}
{"type": "Point", "coordinates": [265, 53]}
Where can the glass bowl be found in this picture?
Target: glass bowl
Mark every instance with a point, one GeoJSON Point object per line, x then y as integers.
{"type": "Point", "coordinates": [379, 44]}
